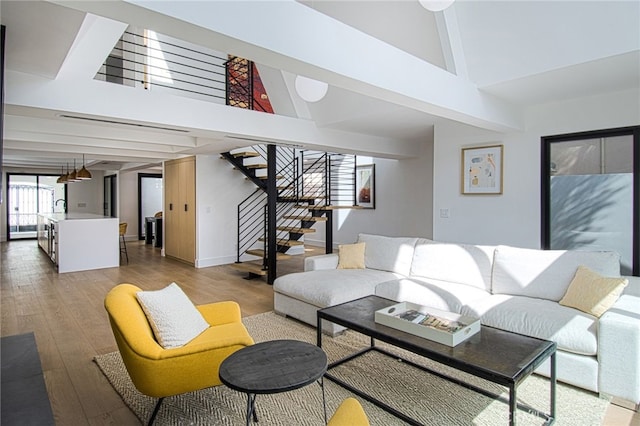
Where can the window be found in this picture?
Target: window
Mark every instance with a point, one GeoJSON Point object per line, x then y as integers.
{"type": "Point", "coordinates": [590, 193]}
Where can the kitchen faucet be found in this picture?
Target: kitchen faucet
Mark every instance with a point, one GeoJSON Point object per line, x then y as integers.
{"type": "Point", "coordinates": [64, 203]}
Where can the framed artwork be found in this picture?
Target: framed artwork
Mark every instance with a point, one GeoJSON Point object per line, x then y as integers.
{"type": "Point", "coordinates": [366, 186]}
{"type": "Point", "coordinates": [482, 170]}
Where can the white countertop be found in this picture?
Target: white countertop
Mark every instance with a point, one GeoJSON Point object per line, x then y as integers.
{"type": "Point", "coordinates": [58, 217]}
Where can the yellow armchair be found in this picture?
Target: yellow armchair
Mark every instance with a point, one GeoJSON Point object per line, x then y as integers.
{"type": "Point", "coordinates": [159, 372]}
{"type": "Point", "coordinates": [349, 413]}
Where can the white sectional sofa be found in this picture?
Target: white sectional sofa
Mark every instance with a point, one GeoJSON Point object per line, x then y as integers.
{"type": "Point", "coordinates": [510, 288]}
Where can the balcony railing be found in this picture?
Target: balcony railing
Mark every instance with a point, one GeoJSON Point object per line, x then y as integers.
{"type": "Point", "coordinates": [152, 61]}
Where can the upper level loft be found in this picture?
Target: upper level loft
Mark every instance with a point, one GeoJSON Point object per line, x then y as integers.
{"type": "Point", "coordinates": [146, 60]}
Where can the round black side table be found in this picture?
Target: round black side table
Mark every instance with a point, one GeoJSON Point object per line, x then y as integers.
{"type": "Point", "coordinates": [273, 367]}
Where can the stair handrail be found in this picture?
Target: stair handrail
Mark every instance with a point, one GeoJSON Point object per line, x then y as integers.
{"type": "Point", "coordinates": [248, 209]}
{"type": "Point", "coordinates": [299, 188]}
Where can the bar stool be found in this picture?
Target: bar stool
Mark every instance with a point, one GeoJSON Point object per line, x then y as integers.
{"type": "Point", "coordinates": [123, 244]}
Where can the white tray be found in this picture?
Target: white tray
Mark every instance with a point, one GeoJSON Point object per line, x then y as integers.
{"type": "Point", "coordinates": [391, 317]}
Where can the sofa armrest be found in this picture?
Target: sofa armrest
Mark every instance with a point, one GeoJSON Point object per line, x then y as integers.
{"type": "Point", "coordinates": [323, 261]}
{"type": "Point", "coordinates": [619, 345]}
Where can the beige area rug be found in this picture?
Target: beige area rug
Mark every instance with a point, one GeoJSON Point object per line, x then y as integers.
{"type": "Point", "coordinates": [429, 399]}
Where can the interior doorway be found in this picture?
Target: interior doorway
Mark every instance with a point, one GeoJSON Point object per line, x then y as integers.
{"type": "Point", "coordinates": [149, 199]}
{"type": "Point", "coordinates": [28, 195]}
{"type": "Point", "coordinates": [110, 206]}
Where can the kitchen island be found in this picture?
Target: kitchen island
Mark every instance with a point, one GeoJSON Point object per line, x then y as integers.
{"type": "Point", "coordinates": [79, 241]}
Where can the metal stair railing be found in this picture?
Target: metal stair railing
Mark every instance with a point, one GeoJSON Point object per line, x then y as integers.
{"type": "Point", "coordinates": [252, 212]}
{"type": "Point", "coordinates": [342, 179]}
{"type": "Point", "coordinates": [329, 177]}
{"type": "Point", "coordinates": [314, 174]}
{"type": "Point", "coordinates": [307, 179]}
{"type": "Point", "coordinates": [251, 221]}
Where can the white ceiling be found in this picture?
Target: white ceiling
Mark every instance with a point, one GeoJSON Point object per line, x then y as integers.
{"type": "Point", "coordinates": [520, 52]}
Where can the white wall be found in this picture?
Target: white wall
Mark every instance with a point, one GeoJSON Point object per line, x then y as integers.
{"type": "Point", "coordinates": [127, 209]}
{"type": "Point", "coordinates": [219, 190]}
{"type": "Point", "coordinates": [513, 218]}
{"type": "Point", "coordinates": [86, 196]}
{"type": "Point", "coordinates": [404, 193]}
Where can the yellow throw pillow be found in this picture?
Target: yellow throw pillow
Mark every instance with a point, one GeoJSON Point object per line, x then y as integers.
{"type": "Point", "coordinates": [351, 256]}
{"type": "Point", "coordinates": [592, 293]}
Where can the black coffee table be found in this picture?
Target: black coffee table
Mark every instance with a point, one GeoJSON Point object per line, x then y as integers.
{"type": "Point", "coordinates": [272, 367]}
{"type": "Point", "coordinates": [495, 355]}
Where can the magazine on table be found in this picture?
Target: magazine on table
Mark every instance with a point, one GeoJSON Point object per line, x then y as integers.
{"type": "Point", "coordinates": [432, 321]}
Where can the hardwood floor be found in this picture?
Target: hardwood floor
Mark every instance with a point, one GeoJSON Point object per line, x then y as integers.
{"type": "Point", "coordinates": [66, 314]}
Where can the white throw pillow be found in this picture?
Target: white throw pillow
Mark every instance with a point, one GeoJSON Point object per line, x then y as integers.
{"type": "Point", "coordinates": [173, 317]}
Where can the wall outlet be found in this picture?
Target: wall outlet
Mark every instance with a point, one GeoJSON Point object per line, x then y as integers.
{"type": "Point", "coordinates": [82, 205]}
{"type": "Point", "coordinates": [444, 213]}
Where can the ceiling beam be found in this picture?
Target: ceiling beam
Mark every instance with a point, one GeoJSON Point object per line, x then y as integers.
{"type": "Point", "coordinates": [290, 36]}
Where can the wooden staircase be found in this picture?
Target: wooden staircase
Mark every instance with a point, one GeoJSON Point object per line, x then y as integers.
{"type": "Point", "coordinates": [300, 206]}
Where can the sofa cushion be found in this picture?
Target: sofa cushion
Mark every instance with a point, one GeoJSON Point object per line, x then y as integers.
{"type": "Point", "coordinates": [392, 254]}
{"type": "Point", "coordinates": [443, 295]}
{"type": "Point", "coordinates": [351, 256]}
{"type": "Point", "coordinates": [572, 330]}
{"type": "Point", "coordinates": [459, 263]}
{"type": "Point", "coordinates": [545, 274]}
{"type": "Point", "coordinates": [332, 286]}
{"type": "Point", "coordinates": [592, 293]}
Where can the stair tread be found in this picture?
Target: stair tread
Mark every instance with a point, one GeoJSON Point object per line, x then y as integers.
{"type": "Point", "coordinates": [307, 218]}
{"type": "Point", "coordinates": [296, 230]}
{"type": "Point", "coordinates": [302, 198]}
{"type": "Point", "coordinates": [260, 253]}
{"type": "Point", "coordinates": [288, 243]}
{"type": "Point", "coordinates": [328, 207]}
{"type": "Point", "coordinates": [254, 268]}
{"type": "Point", "coordinates": [256, 166]}
{"type": "Point", "coordinates": [245, 154]}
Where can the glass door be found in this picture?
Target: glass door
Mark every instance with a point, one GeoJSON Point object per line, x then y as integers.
{"type": "Point", "coordinates": [590, 196]}
{"type": "Point", "coordinates": [29, 195]}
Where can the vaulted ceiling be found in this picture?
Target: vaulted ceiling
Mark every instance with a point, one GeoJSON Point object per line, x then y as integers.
{"type": "Point", "coordinates": [394, 70]}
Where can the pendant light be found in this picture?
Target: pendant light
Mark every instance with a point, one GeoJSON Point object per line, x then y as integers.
{"type": "Point", "coordinates": [63, 177]}
{"type": "Point", "coordinates": [309, 89]}
{"type": "Point", "coordinates": [436, 5]}
{"type": "Point", "coordinates": [72, 176]}
{"type": "Point", "coordinates": [83, 173]}
{"type": "Point", "coordinates": [66, 177]}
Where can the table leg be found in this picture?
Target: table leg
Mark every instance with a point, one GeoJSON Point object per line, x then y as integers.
{"type": "Point", "coordinates": [512, 405]}
{"type": "Point", "coordinates": [324, 401]}
{"type": "Point", "coordinates": [553, 386]}
{"type": "Point", "coordinates": [251, 408]}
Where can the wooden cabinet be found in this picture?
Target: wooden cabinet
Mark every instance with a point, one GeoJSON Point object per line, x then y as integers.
{"type": "Point", "coordinates": [180, 209]}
